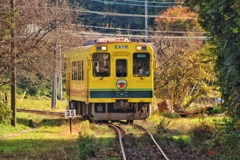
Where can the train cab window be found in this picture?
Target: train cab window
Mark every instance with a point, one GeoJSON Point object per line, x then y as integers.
{"type": "Point", "coordinates": [121, 68]}
{"type": "Point", "coordinates": [101, 65]}
{"type": "Point", "coordinates": [141, 64]}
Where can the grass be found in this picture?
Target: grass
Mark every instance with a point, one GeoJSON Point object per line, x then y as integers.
{"type": "Point", "coordinates": [206, 134]}
{"type": "Point", "coordinates": [41, 104]}
{"type": "Point", "coordinates": [51, 136]}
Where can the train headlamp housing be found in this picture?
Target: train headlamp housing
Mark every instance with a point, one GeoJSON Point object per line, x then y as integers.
{"type": "Point", "coordinates": [101, 48]}
{"type": "Point", "coordinates": [140, 48]}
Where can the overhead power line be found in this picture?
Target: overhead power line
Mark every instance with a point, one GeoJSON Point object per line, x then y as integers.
{"type": "Point", "coordinates": [139, 1]}
{"type": "Point", "coordinates": [149, 2]}
{"type": "Point", "coordinates": [163, 5]}
{"type": "Point", "coordinates": [137, 30]}
{"type": "Point", "coordinates": [130, 15]}
{"type": "Point", "coordinates": [136, 36]}
{"type": "Point", "coordinates": [119, 14]}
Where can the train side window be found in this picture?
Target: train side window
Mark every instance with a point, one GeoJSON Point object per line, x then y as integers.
{"type": "Point", "coordinates": [121, 68]}
{"type": "Point", "coordinates": [77, 70]}
{"type": "Point", "coordinates": [101, 65]}
{"type": "Point", "coordinates": [74, 70]}
{"type": "Point", "coordinates": [79, 73]}
{"type": "Point", "coordinates": [141, 64]}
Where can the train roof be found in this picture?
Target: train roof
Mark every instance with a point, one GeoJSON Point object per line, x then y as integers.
{"type": "Point", "coordinates": [105, 40]}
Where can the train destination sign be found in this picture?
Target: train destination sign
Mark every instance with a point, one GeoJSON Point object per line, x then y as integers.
{"type": "Point", "coordinates": [121, 46]}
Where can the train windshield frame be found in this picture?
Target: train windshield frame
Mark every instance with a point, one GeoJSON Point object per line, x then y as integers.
{"type": "Point", "coordinates": [141, 64]}
{"type": "Point", "coordinates": [101, 64]}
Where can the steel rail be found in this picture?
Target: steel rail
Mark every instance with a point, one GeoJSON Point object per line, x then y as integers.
{"type": "Point", "coordinates": [153, 139]}
{"type": "Point", "coordinates": [120, 140]}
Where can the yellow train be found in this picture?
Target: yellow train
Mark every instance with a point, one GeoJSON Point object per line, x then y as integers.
{"type": "Point", "coordinates": [110, 79]}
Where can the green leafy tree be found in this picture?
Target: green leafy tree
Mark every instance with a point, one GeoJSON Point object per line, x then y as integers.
{"type": "Point", "coordinates": [221, 20]}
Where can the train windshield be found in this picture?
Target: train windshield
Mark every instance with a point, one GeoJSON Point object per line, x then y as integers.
{"type": "Point", "coordinates": [101, 64]}
{"type": "Point", "coordinates": [141, 64]}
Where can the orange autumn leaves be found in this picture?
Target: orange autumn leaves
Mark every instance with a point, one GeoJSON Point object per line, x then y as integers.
{"type": "Point", "coordinates": [178, 19]}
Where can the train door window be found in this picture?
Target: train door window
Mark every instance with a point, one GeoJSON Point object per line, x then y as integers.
{"type": "Point", "coordinates": [141, 64]}
{"type": "Point", "coordinates": [101, 65]}
{"type": "Point", "coordinates": [121, 68]}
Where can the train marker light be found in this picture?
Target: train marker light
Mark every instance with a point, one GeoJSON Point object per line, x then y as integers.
{"type": "Point", "coordinates": [102, 48]}
{"type": "Point", "coordinates": [139, 48]}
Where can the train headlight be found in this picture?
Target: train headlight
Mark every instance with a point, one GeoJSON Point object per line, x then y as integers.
{"type": "Point", "coordinates": [140, 48]}
{"type": "Point", "coordinates": [101, 48]}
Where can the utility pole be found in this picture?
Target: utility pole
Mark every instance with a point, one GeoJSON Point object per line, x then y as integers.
{"type": "Point", "coordinates": [13, 65]}
{"type": "Point", "coordinates": [59, 95]}
{"type": "Point", "coordinates": [146, 18]}
{"type": "Point", "coordinates": [54, 81]}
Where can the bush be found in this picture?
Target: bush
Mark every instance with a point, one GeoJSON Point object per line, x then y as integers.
{"type": "Point", "coordinates": [5, 113]}
{"type": "Point", "coordinates": [171, 115]}
{"type": "Point", "coordinates": [226, 142]}
{"type": "Point", "coordinates": [19, 91]}
{"type": "Point", "coordinates": [215, 110]}
{"type": "Point", "coordinates": [33, 91]}
{"type": "Point", "coordinates": [85, 144]}
{"type": "Point", "coordinates": [203, 133]}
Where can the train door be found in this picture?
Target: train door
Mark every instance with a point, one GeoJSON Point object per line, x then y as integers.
{"type": "Point", "coordinates": [68, 72]}
{"type": "Point", "coordinates": [121, 74]}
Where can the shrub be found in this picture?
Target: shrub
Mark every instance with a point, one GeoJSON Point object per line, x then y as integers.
{"type": "Point", "coordinates": [215, 110]}
{"type": "Point", "coordinates": [203, 133]}
{"type": "Point", "coordinates": [33, 91]}
{"type": "Point", "coordinates": [5, 113]}
{"type": "Point", "coordinates": [85, 144]}
{"type": "Point", "coordinates": [19, 91]}
{"type": "Point", "coordinates": [226, 142]}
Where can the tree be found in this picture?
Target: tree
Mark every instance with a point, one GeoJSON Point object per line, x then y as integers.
{"type": "Point", "coordinates": [38, 31]}
{"type": "Point", "coordinates": [30, 30]}
{"type": "Point", "coordinates": [178, 19]}
{"type": "Point", "coordinates": [222, 20]}
{"type": "Point", "coordinates": [185, 71]}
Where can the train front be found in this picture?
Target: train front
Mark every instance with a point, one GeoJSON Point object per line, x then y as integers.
{"type": "Point", "coordinates": [121, 81]}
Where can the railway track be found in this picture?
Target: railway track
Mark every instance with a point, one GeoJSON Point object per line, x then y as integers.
{"type": "Point", "coordinates": [135, 141]}
{"type": "Point", "coordinates": [139, 144]}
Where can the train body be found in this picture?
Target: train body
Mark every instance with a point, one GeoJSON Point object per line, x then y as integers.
{"type": "Point", "coordinates": [110, 79]}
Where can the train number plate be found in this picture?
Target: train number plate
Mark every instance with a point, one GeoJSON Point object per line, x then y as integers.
{"type": "Point", "coordinates": [70, 113]}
